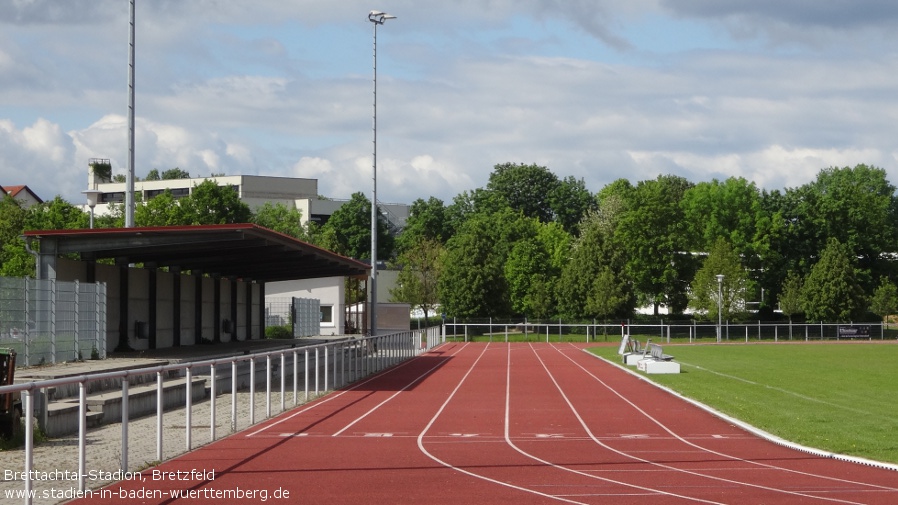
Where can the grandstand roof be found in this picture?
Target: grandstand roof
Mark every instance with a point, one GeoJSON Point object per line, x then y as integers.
{"type": "Point", "coordinates": [244, 251]}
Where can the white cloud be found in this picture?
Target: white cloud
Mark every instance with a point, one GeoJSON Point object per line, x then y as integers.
{"type": "Point", "coordinates": [284, 88]}
{"type": "Point", "coordinates": [772, 167]}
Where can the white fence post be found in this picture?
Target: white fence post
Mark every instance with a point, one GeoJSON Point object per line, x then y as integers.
{"type": "Point", "coordinates": [82, 434]}
{"type": "Point", "coordinates": [28, 406]}
{"type": "Point", "coordinates": [125, 415]}
{"type": "Point", "coordinates": [160, 409]}
{"type": "Point", "coordinates": [213, 392]}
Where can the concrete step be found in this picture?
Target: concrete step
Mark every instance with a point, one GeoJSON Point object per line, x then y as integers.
{"type": "Point", "coordinates": [106, 407]}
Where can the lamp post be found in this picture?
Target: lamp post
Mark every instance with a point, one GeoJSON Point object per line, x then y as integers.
{"type": "Point", "coordinates": [92, 196]}
{"type": "Point", "coordinates": [376, 18]}
{"type": "Point", "coordinates": [719, 304]}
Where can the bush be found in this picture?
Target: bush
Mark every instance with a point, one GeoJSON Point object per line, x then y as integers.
{"type": "Point", "coordinates": [278, 332]}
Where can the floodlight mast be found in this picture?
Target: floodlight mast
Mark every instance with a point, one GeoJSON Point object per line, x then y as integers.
{"type": "Point", "coordinates": [377, 18]}
{"type": "Point", "coordinates": [129, 186]}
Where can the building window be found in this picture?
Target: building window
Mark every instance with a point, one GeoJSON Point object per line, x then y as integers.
{"type": "Point", "coordinates": [175, 192]}
{"type": "Point", "coordinates": [112, 197]}
{"type": "Point", "coordinates": [327, 315]}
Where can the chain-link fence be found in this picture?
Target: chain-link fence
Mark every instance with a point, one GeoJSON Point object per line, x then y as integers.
{"type": "Point", "coordinates": [278, 312]}
{"type": "Point", "coordinates": [49, 321]}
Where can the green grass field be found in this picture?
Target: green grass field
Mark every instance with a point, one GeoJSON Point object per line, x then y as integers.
{"type": "Point", "coordinates": [838, 397]}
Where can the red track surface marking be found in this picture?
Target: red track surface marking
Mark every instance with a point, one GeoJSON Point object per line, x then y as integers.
{"type": "Point", "coordinates": [504, 424]}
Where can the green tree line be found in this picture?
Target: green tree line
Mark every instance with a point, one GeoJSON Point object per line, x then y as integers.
{"type": "Point", "coordinates": [533, 244]}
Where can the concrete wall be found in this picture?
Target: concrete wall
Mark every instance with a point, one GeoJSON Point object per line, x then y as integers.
{"type": "Point", "coordinates": [139, 304]}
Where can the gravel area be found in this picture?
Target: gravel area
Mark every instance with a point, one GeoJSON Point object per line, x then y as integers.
{"type": "Point", "coordinates": [104, 446]}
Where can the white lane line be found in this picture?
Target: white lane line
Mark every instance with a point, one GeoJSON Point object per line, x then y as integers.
{"type": "Point", "coordinates": [678, 437]}
{"type": "Point", "coordinates": [394, 395]}
{"type": "Point", "coordinates": [332, 396]}
{"type": "Point", "coordinates": [462, 470]}
{"type": "Point", "coordinates": [586, 428]}
{"type": "Point", "coordinates": [755, 432]}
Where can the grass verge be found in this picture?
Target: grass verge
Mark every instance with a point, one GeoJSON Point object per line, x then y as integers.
{"type": "Point", "coordinates": [838, 397]}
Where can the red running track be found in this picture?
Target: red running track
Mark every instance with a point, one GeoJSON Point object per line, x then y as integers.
{"type": "Point", "coordinates": [505, 424]}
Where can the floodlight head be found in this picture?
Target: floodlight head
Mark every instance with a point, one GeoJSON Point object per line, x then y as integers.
{"type": "Point", "coordinates": [379, 17]}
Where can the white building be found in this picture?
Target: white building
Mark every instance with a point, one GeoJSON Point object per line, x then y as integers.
{"type": "Point", "coordinates": [253, 190]}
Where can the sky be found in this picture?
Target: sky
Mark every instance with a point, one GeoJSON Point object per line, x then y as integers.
{"type": "Point", "coordinates": [769, 90]}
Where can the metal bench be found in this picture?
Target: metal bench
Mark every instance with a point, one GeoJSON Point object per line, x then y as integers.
{"type": "Point", "coordinates": [655, 361]}
{"type": "Point", "coordinates": [656, 352]}
{"type": "Point", "coordinates": [630, 350]}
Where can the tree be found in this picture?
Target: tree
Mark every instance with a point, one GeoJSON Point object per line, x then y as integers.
{"type": "Point", "coordinates": [280, 218]}
{"type": "Point", "coordinates": [730, 209]}
{"type": "Point", "coordinates": [703, 297]}
{"type": "Point", "coordinates": [350, 229]}
{"type": "Point", "coordinates": [175, 173]}
{"type": "Point", "coordinates": [832, 291]}
{"type": "Point", "coordinates": [470, 203]}
{"type": "Point", "coordinates": [856, 206]}
{"type": "Point", "coordinates": [210, 203]}
{"type": "Point", "coordinates": [526, 188]}
{"type": "Point", "coordinates": [419, 276]}
{"type": "Point", "coordinates": [607, 295]}
{"type": "Point", "coordinates": [56, 214]}
{"type": "Point", "coordinates": [791, 299]}
{"type": "Point", "coordinates": [884, 301]}
{"type": "Point", "coordinates": [594, 281]}
{"type": "Point", "coordinates": [733, 210]}
{"type": "Point", "coordinates": [473, 281]}
{"type": "Point", "coordinates": [426, 221]}
{"type": "Point", "coordinates": [14, 259]}
{"type": "Point", "coordinates": [570, 202]}
{"type": "Point", "coordinates": [534, 266]}
{"type": "Point", "coordinates": [651, 227]}
{"type": "Point", "coordinates": [167, 175]}
{"type": "Point", "coordinates": [161, 210]}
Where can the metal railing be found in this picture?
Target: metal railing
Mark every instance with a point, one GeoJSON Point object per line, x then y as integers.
{"type": "Point", "coordinates": [323, 367]}
{"type": "Point", "coordinates": [559, 331]}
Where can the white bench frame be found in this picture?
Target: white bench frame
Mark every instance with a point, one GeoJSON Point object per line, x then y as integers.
{"type": "Point", "coordinates": [630, 350]}
{"type": "Point", "coordinates": [654, 361]}
{"type": "Point", "coordinates": [655, 351]}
